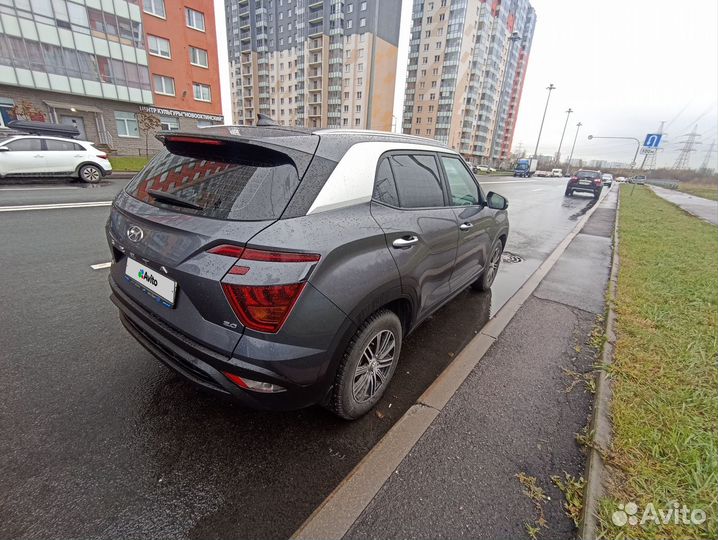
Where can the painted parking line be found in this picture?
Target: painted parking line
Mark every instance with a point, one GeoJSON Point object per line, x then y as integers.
{"type": "Point", "coordinates": [36, 188]}
{"type": "Point", "coordinates": [56, 206]}
{"type": "Point", "coordinates": [100, 266]}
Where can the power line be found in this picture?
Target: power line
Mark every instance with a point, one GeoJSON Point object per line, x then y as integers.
{"type": "Point", "coordinates": [688, 146]}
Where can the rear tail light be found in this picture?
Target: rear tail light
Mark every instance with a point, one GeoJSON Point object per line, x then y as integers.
{"type": "Point", "coordinates": [573, 179]}
{"type": "Point", "coordinates": [256, 386]}
{"type": "Point", "coordinates": [102, 156]}
{"type": "Point", "coordinates": [261, 307]}
{"type": "Point", "coordinates": [597, 181]}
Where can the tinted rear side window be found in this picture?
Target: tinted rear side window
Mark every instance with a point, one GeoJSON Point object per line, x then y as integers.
{"type": "Point", "coordinates": [418, 184]}
{"type": "Point", "coordinates": [384, 186]}
{"type": "Point", "coordinates": [587, 174]}
{"type": "Point", "coordinates": [225, 187]}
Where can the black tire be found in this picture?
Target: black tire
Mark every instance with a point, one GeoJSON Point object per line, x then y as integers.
{"type": "Point", "coordinates": [343, 401]}
{"type": "Point", "coordinates": [568, 193]}
{"type": "Point", "coordinates": [596, 195]}
{"type": "Point", "coordinates": [489, 275]}
{"type": "Point", "coordinates": [90, 174]}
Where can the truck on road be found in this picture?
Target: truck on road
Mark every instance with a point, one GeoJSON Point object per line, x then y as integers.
{"type": "Point", "coordinates": [525, 168]}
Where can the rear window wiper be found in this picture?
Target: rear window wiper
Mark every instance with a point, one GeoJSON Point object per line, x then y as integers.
{"type": "Point", "coordinates": [169, 198]}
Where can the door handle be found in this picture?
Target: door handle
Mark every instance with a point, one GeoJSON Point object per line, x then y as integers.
{"type": "Point", "coordinates": [466, 226]}
{"type": "Point", "coordinates": [406, 242]}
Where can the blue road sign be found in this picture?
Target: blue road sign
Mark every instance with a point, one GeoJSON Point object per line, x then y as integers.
{"type": "Point", "coordinates": [652, 140]}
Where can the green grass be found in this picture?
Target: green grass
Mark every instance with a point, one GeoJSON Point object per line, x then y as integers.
{"type": "Point", "coordinates": [128, 163]}
{"type": "Point", "coordinates": [664, 375]}
{"type": "Point", "coordinates": [706, 191]}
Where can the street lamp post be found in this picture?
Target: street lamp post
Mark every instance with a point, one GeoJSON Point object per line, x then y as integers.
{"type": "Point", "coordinates": [570, 157]}
{"type": "Point", "coordinates": [558, 152]}
{"type": "Point", "coordinates": [513, 38]}
{"type": "Point", "coordinates": [638, 145]}
{"type": "Point", "coordinates": [550, 89]}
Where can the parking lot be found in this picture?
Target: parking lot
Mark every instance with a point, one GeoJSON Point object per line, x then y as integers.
{"type": "Point", "coordinates": [109, 443]}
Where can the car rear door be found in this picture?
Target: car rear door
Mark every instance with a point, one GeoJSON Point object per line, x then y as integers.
{"type": "Point", "coordinates": [62, 157]}
{"type": "Point", "coordinates": [24, 156]}
{"type": "Point", "coordinates": [410, 205]}
{"type": "Point", "coordinates": [475, 221]}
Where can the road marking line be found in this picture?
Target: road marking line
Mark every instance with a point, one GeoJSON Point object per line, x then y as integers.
{"type": "Point", "coordinates": [35, 188]}
{"type": "Point", "coordinates": [100, 266]}
{"type": "Point", "coordinates": [53, 206]}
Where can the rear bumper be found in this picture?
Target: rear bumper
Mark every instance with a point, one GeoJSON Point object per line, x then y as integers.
{"type": "Point", "coordinates": [587, 189]}
{"type": "Point", "coordinates": [204, 367]}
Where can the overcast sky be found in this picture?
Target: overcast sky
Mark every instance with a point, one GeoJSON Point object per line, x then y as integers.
{"type": "Point", "coordinates": [621, 65]}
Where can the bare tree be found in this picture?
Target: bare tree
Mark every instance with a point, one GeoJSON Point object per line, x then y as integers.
{"type": "Point", "coordinates": [148, 123]}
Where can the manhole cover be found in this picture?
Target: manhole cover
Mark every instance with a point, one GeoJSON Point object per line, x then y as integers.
{"type": "Point", "coordinates": [509, 257]}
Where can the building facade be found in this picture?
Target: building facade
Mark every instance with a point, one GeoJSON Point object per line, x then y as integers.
{"type": "Point", "coordinates": [467, 63]}
{"type": "Point", "coordinates": [97, 64]}
{"type": "Point", "coordinates": [313, 63]}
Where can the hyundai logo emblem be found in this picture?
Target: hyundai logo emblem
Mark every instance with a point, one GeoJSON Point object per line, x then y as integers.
{"type": "Point", "coordinates": [135, 234]}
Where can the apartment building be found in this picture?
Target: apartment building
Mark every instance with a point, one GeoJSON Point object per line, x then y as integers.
{"type": "Point", "coordinates": [313, 63]}
{"type": "Point", "coordinates": [96, 64]}
{"type": "Point", "coordinates": [467, 63]}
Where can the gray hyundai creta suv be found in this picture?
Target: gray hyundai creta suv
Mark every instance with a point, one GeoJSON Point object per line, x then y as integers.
{"type": "Point", "coordinates": [284, 267]}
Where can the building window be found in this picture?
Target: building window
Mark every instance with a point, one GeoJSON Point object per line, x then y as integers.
{"type": "Point", "coordinates": [195, 19]}
{"type": "Point", "coordinates": [158, 46]}
{"type": "Point", "coordinates": [164, 85]}
{"type": "Point", "coordinates": [360, 67]}
{"type": "Point", "coordinates": [357, 121]}
{"type": "Point", "coordinates": [198, 57]}
{"type": "Point", "coordinates": [155, 7]}
{"type": "Point", "coordinates": [169, 123]}
{"type": "Point", "coordinates": [204, 123]}
{"type": "Point", "coordinates": [127, 124]}
{"type": "Point", "coordinates": [362, 6]}
{"type": "Point", "coordinates": [202, 92]}
{"type": "Point", "coordinates": [362, 22]}
{"type": "Point", "coordinates": [350, 8]}
{"type": "Point", "coordinates": [350, 23]}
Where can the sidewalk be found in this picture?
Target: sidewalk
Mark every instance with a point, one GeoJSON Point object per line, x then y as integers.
{"type": "Point", "coordinates": [705, 209]}
{"type": "Point", "coordinates": [518, 412]}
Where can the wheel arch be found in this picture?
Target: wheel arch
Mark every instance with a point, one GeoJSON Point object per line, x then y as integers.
{"type": "Point", "coordinates": [82, 164]}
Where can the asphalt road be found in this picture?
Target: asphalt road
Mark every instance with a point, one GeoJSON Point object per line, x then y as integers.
{"type": "Point", "coordinates": [101, 441]}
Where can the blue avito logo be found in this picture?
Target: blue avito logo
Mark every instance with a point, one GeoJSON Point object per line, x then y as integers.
{"type": "Point", "coordinates": [147, 276]}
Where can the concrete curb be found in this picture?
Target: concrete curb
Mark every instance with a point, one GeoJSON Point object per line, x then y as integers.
{"type": "Point", "coordinates": [601, 420]}
{"type": "Point", "coordinates": [338, 512]}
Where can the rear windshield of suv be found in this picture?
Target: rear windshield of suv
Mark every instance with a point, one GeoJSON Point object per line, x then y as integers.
{"type": "Point", "coordinates": [587, 174]}
{"type": "Point", "coordinates": [222, 186]}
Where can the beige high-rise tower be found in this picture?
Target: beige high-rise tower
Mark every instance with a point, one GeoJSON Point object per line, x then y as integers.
{"type": "Point", "coordinates": [467, 62]}
{"type": "Point", "coordinates": [313, 63]}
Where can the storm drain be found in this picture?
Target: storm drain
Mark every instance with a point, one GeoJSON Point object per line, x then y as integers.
{"type": "Point", "coordinates": [509, 257]}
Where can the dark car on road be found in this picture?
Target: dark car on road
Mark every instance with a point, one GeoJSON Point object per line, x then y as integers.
{"type": "Point", "coordinates": [586, 181]}
{"type": "Point", "coordinates": [284, 267]}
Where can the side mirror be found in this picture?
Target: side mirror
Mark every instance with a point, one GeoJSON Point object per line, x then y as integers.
{"type": "Point", "coordinates": [4, 149]}
{"type": "Point", "coordinates": [496, 201]}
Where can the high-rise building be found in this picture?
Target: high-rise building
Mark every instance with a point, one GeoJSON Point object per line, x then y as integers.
{"type": "Point", "coordinates": [467, 62]}
{"type": "Point", "coordinates": [96, 64]}
{"type": "Point", "coordinates": [313, 63]}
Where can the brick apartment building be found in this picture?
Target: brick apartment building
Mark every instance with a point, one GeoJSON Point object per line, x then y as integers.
{"type": "Point", "coordinates": [96, 64]}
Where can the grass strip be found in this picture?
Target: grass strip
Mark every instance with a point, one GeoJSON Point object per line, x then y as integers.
{"type": "Point", "coordinates": [128, 163]}
{"type": "Point", "coordinates": [707, 191]}
{"type": "Point", "coordinates": [664, 374]}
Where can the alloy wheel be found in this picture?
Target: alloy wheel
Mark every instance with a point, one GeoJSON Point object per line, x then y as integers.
{"type": "Point", "coordinates": [90, 174]}
{"type": "Point", "coordinates": [374, 366]}
{"type": "Point", "coordinates": [493, 265]}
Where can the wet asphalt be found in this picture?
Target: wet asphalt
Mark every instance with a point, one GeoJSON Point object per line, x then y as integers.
{"type": "Point", "coordinates": [99, 440]}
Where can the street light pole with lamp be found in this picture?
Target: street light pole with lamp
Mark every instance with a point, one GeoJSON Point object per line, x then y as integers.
{"type": "Point", "coordinates": [638, 145]}
{"type": "Point", "coordinates": [570, 157]}
{"type": "Point", "coordinates": [550, 89]}
{"type": "Point", "coordinates": [557, 159]}
{"type": "Point", "coordinates": [513, 38]}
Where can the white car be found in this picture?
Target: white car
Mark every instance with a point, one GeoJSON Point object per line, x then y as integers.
{"type": "Point", "coordinates": [556, 173]}
{"type": "Point", "coordinates": [34, 155]}
{"type": "Point", "coordinates": [607, 179]}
